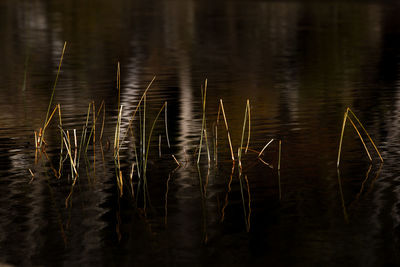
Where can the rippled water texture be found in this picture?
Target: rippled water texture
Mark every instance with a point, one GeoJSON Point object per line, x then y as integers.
{"type": "Point", "coordinates": [300, 64]}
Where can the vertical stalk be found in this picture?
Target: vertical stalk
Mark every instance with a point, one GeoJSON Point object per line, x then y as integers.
{"type": "Point", "coordinates": [204, 97]}
{"type": "Point", "coordinates": [119, 83]}
{"type": "Point", "coordinates": [280, 153]}
{"type": "Point", "coordinates": [166, 124]}
{"type": "Point", "coordinates": [52, 93]}
{"type": "Point", "coordinates": [227, 129]}
{"type": "Point", "coordinates": [62, 144]}
{"type": "Point", "coordinates": [243, 130]}
{"type": "Point", "coordinates": [341, 138]}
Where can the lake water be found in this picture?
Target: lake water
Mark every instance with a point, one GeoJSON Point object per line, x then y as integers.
{"type": "Point", "coordinates": [299, 63]}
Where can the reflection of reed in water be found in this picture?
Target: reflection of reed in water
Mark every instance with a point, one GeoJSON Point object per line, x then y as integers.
{"type": "Point", "coordinates": [346, 217]}
{"type": "Point", "coordinates": [247, 213]}
{"type": "Point", "coordinates": [227, 195]}
{"type": "Point", "coordinates": [170, 175]}
{"type": "Point", "coordinates": [246, 207]}
{"type": "Point", "coordinates": [203, 190]}
{"type": "Point", "coordinates": [359, 194]}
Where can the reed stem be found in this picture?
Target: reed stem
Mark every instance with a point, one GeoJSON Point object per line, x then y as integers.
{"type": "Point", "coordinates": [203, 123]}
{"type": "Point", "coordinates": [369, 137]}
{"type": "Point", "coordinates": [243, 132]}
{"type": "Point", "coordinates": [208, 149]}
{"type": "Point", "coordinates": [52, 93]}
{"type": "Point", "coordinates": [134, 113]}
{"type": "Point", "coordinates": [280, 153]}
{"type": "Point", "coordinates": [227, 128]}
{"type": "Point", "coordinates": [341, 138]}
{"type": "Point", "coordinates": [93, 130]}
{"type": "Point", "coordinates": [362, 140]}
{"type": "Point", "coordinates": [166, 124]}
{"type": "Point", "coordinates": [346, 115]}
{"type": "Point", "coordinates": [248, 135]}
{"type": "Point", "coordinates": [262, 150]}
{"type": "Point", "coordinates": [62, 144]}
{"type": "Point", "coordinates": [119, 83]}
{"type": "Point", "coordinates": [83, 135]}
{"type": "Point", "coordinates": [149, 139]}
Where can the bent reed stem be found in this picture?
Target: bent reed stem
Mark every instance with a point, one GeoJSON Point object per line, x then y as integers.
{"type": "Point", "coordinates": [346, 116]}
{"type": "Point", "coordinates": [52, 93]}
{"type": "Point", "coordinates": [203, 122]}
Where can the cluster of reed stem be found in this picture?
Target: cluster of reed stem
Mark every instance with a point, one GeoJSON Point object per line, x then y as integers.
{"type": "Point", "coordinates": [145, 138]}
{"type": "Point", "coordinates": [246, 124]}
{"type": "Point", "coordinates": [71, 151]}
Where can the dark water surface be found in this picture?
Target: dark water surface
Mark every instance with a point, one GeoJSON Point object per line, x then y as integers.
{"type": "Point", "coordinates": [300, 64]}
